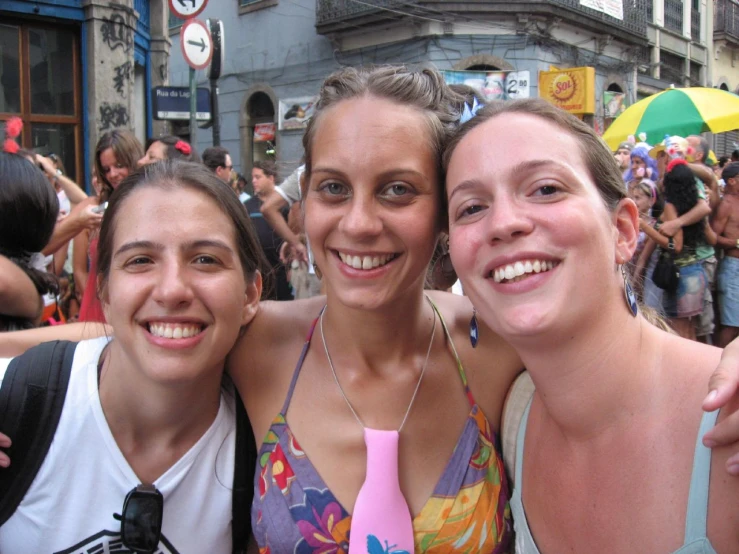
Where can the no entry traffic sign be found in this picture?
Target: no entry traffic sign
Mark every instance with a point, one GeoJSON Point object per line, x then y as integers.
{"type": "Point", "coordinates": [196, 44]}
{"type": "Point", "coordinates": [185, 9]}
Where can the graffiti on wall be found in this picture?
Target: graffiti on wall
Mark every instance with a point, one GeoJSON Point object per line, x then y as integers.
{"type": "Point", "coordinates": [116, 33]}
{"type": "Point", "coordinates": [112, 116]}
{"type": "Point", "coordinates": [122, 75]}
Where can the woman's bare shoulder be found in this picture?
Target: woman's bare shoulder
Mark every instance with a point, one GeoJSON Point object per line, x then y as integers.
{"type": "Point", "coordinates": [277, 329]}
{"type": "Point", "coordinates": [491, 366]}
{"type": "Point", "coordinates": [263, 360]}
{"type": "Point", "coordinates": [692, 355]}
{"type": "Point", "coordinates": [457, 312]}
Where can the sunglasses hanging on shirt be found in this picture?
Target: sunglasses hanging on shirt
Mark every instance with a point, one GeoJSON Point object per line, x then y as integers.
{"type": "Point", "coordinates": [141, 520]}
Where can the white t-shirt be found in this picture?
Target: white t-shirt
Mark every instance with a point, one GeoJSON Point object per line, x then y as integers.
{"type": "Point", "coordinates": [85, 478]}
{"type": "Point", "coordinates": [64, 205]}
{"type": "Point", "coordinates": [289, 189]}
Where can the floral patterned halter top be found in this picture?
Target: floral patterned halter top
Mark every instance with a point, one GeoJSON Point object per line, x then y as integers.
{"type": "Point", "coordinates": [295, 512]}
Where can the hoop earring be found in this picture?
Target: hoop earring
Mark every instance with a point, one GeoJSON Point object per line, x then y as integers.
{"type": "Point", "coordinates": [629, 293]}
{"type": "Point", "coordinates": [473, 329]}
{"type": "Point", "coordinates": [317, 271]}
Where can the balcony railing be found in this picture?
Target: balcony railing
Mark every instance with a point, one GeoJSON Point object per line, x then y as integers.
{"type": "Point", "coordinates": [695, 25]}
{"type": "Point", "coordinates": [726, 19]}
{"type": "Point", "coordinates": [674, 15]}
{"type": "Point", "coordinates": [335, 15]}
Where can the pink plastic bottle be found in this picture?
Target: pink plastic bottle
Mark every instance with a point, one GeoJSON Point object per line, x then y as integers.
{"type": "Point", "coordinates": [381, 509]}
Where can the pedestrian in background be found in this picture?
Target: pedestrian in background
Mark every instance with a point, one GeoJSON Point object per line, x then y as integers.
{"type": "Point", "coordinates": [263, 175]}
{"type": "Point", "coordinates": [116, 157]}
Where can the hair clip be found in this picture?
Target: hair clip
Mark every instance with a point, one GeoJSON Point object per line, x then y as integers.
{"type": "Point", "coordinates": [468, 113]}
{"type": "Point", "coordinates": [183, 147]}
{"type": "Point", "coordinates": [13, 128]}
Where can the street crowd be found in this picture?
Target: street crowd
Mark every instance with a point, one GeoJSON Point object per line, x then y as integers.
{"type": "Point", "coordinates": [689, 212]}
{"type": "Point", "coordinates": [287, 372]}
{"type": "Point", "coordinates": [66, 261]}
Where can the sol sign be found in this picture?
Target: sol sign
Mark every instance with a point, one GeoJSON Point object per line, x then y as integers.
{"type": "Point", "coordinates": [573, 90]}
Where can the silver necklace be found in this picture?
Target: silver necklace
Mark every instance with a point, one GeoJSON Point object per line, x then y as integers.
{"type": "Point", "coordinates": [420, 378]}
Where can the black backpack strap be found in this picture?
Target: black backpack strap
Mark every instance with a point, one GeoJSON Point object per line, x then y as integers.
{"type": "Point", "coordinates": [31, 401]}
{"type": "Point", "coordinates": [243, 488]}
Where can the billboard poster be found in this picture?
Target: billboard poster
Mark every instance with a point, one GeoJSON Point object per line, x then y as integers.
{"type": "Point", "coordinates": [264, 132]}
{"type": "Point", "coordinates": [614, 8]}
{"type": "Point", "coordinates": [613, 103]}
{"type": "Point", "coordinates": [492, 85]}
{"type": "Point", "coordinates": [572, 89]}
{"type": "Point", "coordinates": [294, 113]}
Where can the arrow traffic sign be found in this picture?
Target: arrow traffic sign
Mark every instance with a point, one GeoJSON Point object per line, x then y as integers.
{"type": "Point", "coordinates": [196, 44]}
{"type": "Point", "coordinates": [186, 9]}
{"type": "Point", "coordinates": [200, 44]}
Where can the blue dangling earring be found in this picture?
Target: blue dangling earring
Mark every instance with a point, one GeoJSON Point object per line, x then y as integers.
{"type": "Point", "coordinates": [629, 294]}
{"type": "Point", "coordinates": [473, 328]}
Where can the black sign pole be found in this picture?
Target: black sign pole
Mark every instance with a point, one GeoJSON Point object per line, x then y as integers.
{"type": "Point", "coordinates": [215, 26]}
{"type": "Point", "coordinates": [214, 112]}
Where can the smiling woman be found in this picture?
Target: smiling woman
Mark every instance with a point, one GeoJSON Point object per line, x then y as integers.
{"type": "Point", "coordinates": [375, 437]}
{"type": "Point", "coordinates": [145, 417]}
{"type": "Point", "coordinates": [616, 399]}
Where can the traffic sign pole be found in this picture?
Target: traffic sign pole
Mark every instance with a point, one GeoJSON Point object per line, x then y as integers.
{"type": "Point", "coordinates": [215, 26]}
{"type": "Point", "coordinates": [197, 49]}
{"type": "Point", "coordinates": [214, 112]}
{"type": "Point", "coordinates": [193, 109]}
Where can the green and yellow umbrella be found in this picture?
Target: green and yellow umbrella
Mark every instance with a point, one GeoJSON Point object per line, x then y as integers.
{"type": "Point", "coordinates": [676, 111]}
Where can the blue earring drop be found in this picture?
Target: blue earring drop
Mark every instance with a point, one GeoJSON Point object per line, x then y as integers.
{"type": "Point", "coordinates": [473, 329]}
{"type": "Point", "coordinates": [629, 294]}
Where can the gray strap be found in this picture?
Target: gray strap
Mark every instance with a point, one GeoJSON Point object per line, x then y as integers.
{"type": "Point", "coordinates": [519, 446]}
{"type": "Point", "coordinates": [515, 404]}
{"type": "Point", "coordinates": [695, 520]}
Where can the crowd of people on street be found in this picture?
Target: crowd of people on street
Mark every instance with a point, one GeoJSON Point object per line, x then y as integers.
{"type": "Point", "coordinates": [286, 366]}
{"type": "Point", "coordinates": [688, 216]}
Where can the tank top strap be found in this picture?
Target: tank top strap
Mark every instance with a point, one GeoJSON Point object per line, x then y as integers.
{"type": "Point", "coordinates": [520, 438]}
{"type": "Point", "coordinates": [460, 367]}
{"type": "Point", "coordinates": [697, 514]}
{"type": "Point", "coordinates": [299, 365]}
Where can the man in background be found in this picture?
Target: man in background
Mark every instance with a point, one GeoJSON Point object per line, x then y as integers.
{"type": "Point", "coordinates": [218, 160]}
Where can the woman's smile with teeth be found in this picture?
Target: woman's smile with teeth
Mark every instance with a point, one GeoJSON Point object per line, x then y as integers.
{"type": "Point", "coordinates": [366, 262]}
{"type": "Point", "coordinates": [174, 330]}
{"type": "Point", "coordinates": [519, 270]}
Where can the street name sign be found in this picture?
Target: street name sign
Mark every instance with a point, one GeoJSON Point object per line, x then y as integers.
{"type": "Point", "coordinates": [173, 103]}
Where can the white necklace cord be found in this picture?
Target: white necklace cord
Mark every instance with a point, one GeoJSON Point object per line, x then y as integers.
{"type": "Point", "coordinates": [418, 384]}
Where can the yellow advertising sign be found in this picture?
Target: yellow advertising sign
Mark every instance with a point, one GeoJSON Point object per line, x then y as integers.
{"type": "Point", "coordinates": [571, 89]}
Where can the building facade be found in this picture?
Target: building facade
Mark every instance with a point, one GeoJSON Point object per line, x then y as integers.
{"type": "Point", "coordinates": [680, 37]}
{"type": "Point", "coordinates": [74, 69]}
{"type": "Point", "coordinates": [279, 51]}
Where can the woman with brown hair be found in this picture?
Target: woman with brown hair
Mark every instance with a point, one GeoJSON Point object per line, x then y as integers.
{"type": "Point", "coordinates": [148, 421]}
{"type": "Point", "coordinates": [116, 155]}
{"type": "Point", "coordinates": [168, 147]}
{"type": "Point", "coordinates": [608, 454]}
